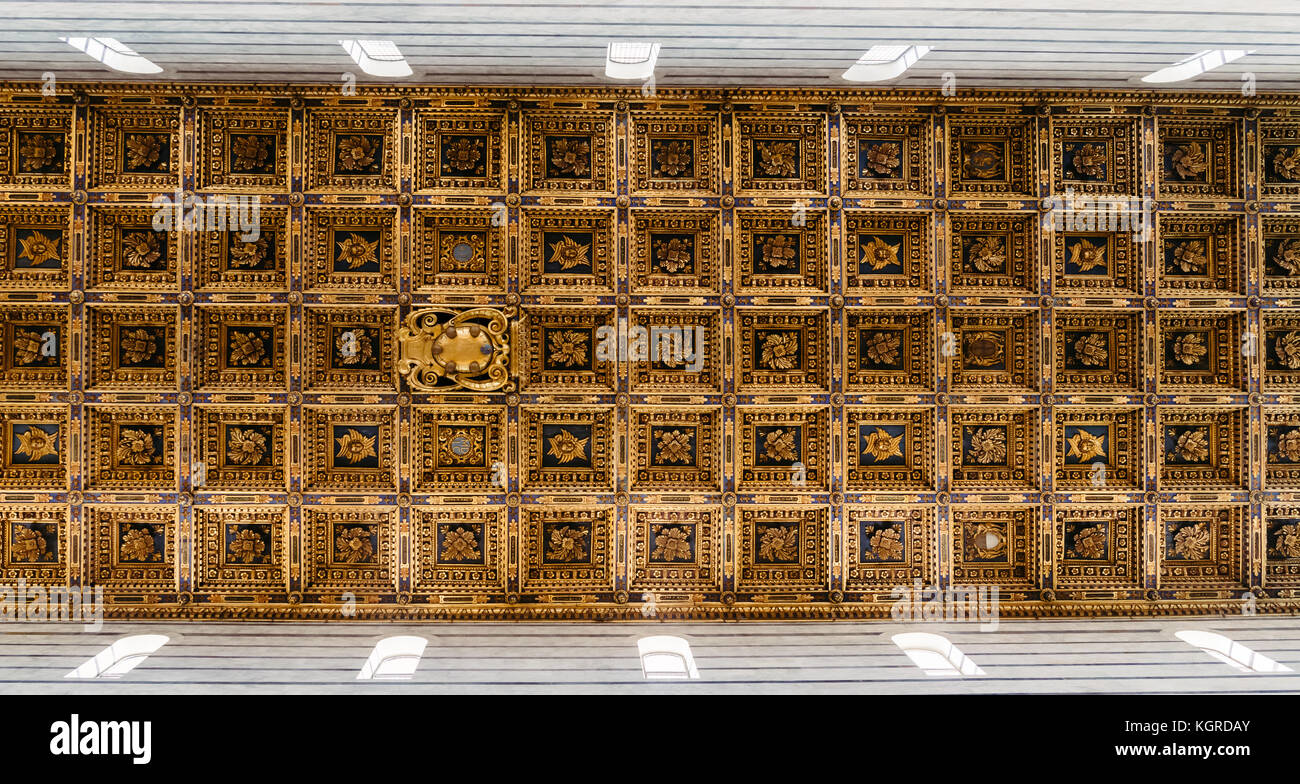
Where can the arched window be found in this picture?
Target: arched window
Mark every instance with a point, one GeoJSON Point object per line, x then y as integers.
{"type": "Point", "coordinates": [393, 658]}
{"type": "Point", "coordinates": [1231, 653]}
{"type": "Point", "coordinates": [666, 658]}
{"type": "Point", "coordinates": [121, 657]}
{"type": "Point", "coordinates": [934, 654]}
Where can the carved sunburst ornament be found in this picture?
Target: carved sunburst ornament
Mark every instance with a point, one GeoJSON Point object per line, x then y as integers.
{"type": "Point", "coordinates": [142, 151]}
{"type": "Point", "coordinates": [250, 152]}
{"type": "Point", "coordinates": [138, 345]}
{"type": "Point", "coordinates": [674, 446]}
{"type": "Point", "coordinates": [356, 251]}
{"type": "Point", "coordinates": [1287, 346]}
{"type": "Point", "coordinates": [355, 446]}
{"type": "Point", "coordinates": [1086, 257]}
{"type": "Point", "coordinates": [245, 446]}
{"type": "Point", "coordinates": [565, 447]}
{"type": "Point", "coordinates": [672, 543]}
{"type": "Point", "coordinates": [780, 350]}
{"type": "Point", "coordinates": [354, 545]}
{"type": "Point", "coordinates": [881, 158]}
{"type": "Point", "coordinates": [460, 544]}
{"type": "Point", "coordinates": [246, 348]}
{"type": "Point", "coordinates": [567, 543]}
{"type": "Point", "coordinates": [138, 546]}
{"type": "Point", "coordinates": [1189, 256]}
{"type": "Point", "coordinates": [140, 249]}
{"type": "Point", "coordinates": [988, 445]}
{"type": "Point", "coordinates": [879, 254]}
{"type": "Point", "coordinates": [356, 153]}
{"type": "Point", "coordinates": [1189, 348]}
{"type": "Point", "coordinates": [1192, 542]}
{"type": "Point", "coordinates": [779, 445]}
{"type": "Point", "coordinates": [987, 254]}
{"type": "Point", "coordinates": [249, 254]}
{"type": "Point", "coordinates": [35, 443]}
{"type": "Point", "coordinates": [568, 348]}
{"type": "Point", "coordinates": [778, 543]}
{"type": "Point", "coordinates": [778, 159]}
{"type": "Point", "coordinates": [1091, 349]}
{"type": "Point", "coordinates": [39, 248]}
{"type": "Point", "coordinates": [1193, 446]}
{"type": "Point", "coordinates": [880, 445]}
{"type": "Point", "coordinates": [569, 253]}
{"type": "Point", "coordinates": [1084, 446]}
{"type": "Point", "coordinates": [1189, 161]}
{"type": "Point", "coordinates": [1287, 163]}
{"type": "Point", "coordinates": [135, 447]}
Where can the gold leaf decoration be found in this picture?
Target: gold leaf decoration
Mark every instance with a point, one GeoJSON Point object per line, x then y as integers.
{"type": "Point", "coordinates": [140, 249]}
{"type": "Point", "coordinates": [29, 545]}
{"type": "Point", "coordinates": [356, 153]}
{"type": "Point", "coordinates": [250, 152]}
{"type": "Point", "coordinates": [353, 545]}
{"type": "Point", "coordinates": [357, 251]}
{"type": "Point", "coordinates": [1288, 256]}
{"type": "Point", "coordinates": [142, 151]}
{"type": "Point", "coordinates": [1192, 542]}
{"type": "Point", "coordinates": [35, 443]}
{"type": "Point", "coordinates": [1189, 256]}
{"type": "Point", "coordinates": [1193, 446]}
{"type": "Point", "coordinates": [568, 348]}
{"type": "Point", "coordinates": [989, 540]}
{"type": "Point", "coordinates": [1288, 349]}
{"type": "Point", "coordinates": [1189, 348]}
{"type": "Point", "coordinates": [879, 254]}
{"type": "Point", "coordinates": [566, 447]}
{"type": "Point", "coordinates": [1091, 349]}
{"type": "Point", "coordinates": [357, 350]}
{"type": "Point", "coordinates": [779, 445]}
{"type": "Point", "coordinates": [1090, 160]}
{"type": "Point", "coordinates": [988, 445]}
{"type": "Point", "coordinates": [1189, 161]}
{"type": "Point", "coordinates": [247, 546]}
{"type": "Point", "coordinates": [983, 349]}
{"type": "Point", "coordinates": [1085, 446]}
{"type": "Point", "coordinates": [36, 152]}
{"type": "Point", "coordinates": [355, 446]}
{"type": "Point", "coordinates": [138, 345]}
{"type": "Point", "coordinates": [27, 346]}
{"type": "Point", "coordinates": [674, 255]}
{"type": "Point", "coordinates": [887, 543]}
{"type": "Point", "coordinates": [460, 544]}
{"type": "Point", "coordinates": [567, 543]}
{"type": "Point", "coordinates": [780, 350]}
{"type": "Point", "coordinates": [138, 546]}
{"type": "Point", "coordinates": [674, 446]}
{"type": "Point", "coordinates": [249, 254]}
{"type": "Point", "coordinates": [780, 250]}
{"type": "Point", "coordinates": [880, 445]}
{"type": "Point", "coordinates": [464, 153]}
{"type": "Point", "coordinates": [778, 543]}
{"type": "Point", "coordinates": [460, 446]}
{"type": "Point", "coordinates": [569, 253]}
{"type": "Point", "coordinates": [882, 347]}
{"type": "Point", "coordinates": [982, 161]}
{"type": "Point", "coordinates": [1086, 256]}
{"type": "Point", "coordinates": [1286, 542]}
{"type": "Point", "coordinates": [882, 157]}
{"type": "Point", "coordinates": [987, 254]}
{"type": "Point", "coordinates": [135, 447]}
{"type": "Point", "coordinates": [1090, 542]}
{"type": "Point", "coordinates": [245, 446]}
{"type": "Point", "coordinates": [672, 543]}
{"type": "Point", "coordinates": [246, 348]}
{"type": "Point", "coordinates": [1287, 163]}
{"type": "Point", "coordinates": [39, 248]}
{"type": "Point", "coordinates": [778, 159]}
{"type": "Point", "coordinates": [673, 158]}
{"type": "Point", "coordinates": [571, 157]}
{"type": "Point", "coordinates": [1288, 446]}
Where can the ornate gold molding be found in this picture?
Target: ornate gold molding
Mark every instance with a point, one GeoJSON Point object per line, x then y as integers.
{"type": "Point", "coordinates": [470, 350]}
